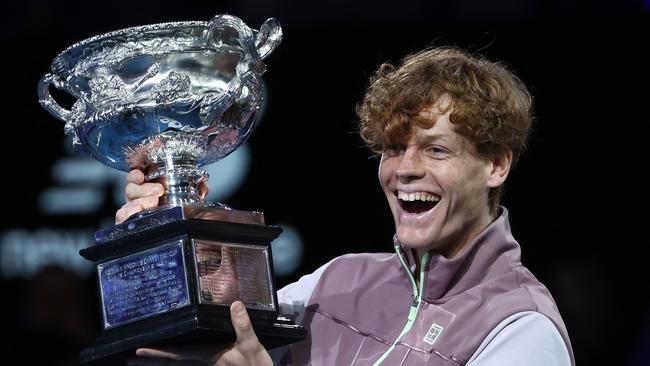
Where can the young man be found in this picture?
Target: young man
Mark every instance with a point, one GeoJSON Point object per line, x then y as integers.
{"type": "Point", "coordinates": [449, 127]}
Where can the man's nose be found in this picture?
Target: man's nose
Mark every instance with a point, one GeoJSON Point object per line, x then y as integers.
{"type": "Point", "coordinates": [410, 165]}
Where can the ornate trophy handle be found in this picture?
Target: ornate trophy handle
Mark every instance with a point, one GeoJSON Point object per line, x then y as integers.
{"type": "Point", "coordinates": [219, 30]}
{"type": "Point", "coordinates": [46, 99]}
{"type": "Point", "coordinates": [268, 37]}
{"type": "Point", "coordinates": [258, 46]}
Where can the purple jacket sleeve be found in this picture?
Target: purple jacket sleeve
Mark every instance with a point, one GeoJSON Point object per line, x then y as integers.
{"type": "Point", "coordinates": [527, 338]}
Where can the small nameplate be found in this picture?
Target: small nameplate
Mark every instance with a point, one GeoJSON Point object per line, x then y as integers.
{"type": "Point", "coordinates": [228, 272]}
{"type": "Point", "coordinates": [143, 284]}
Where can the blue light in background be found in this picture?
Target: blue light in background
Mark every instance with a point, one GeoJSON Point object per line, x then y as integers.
{"type": "Point", "coordinates": [78, 188]}
{"type": "Point", "coordinates": [228, 174]}
{"type": "Point", "coordinates": [24, 253]}
{"type": "Point", "coordinates": [70, 200]}
{"type": "Point", "coordinates": [80, 170]}
{"type": "Point", "coordinates": [287, 251]}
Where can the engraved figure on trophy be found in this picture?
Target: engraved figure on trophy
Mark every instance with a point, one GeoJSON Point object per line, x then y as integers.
{"type": "Point", "coordinates": [167, 99]}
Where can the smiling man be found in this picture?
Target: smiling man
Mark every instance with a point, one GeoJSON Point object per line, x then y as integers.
{"type": "Point", "coordinates": [437, 184]}
{"type": "Point", "coordinates": [449, 127]}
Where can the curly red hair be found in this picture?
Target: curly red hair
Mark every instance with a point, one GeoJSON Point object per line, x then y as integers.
{"type": "Point", "coordinates": [491, 107]}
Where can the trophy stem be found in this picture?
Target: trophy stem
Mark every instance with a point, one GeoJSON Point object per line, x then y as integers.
{"type": "Point", "coordinates": [180, 179]}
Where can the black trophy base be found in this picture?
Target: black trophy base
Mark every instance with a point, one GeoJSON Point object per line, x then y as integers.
{"type": "Point", "coordinates": [175, 244]}
{"type": "Point", "coordinates": [196, 325]}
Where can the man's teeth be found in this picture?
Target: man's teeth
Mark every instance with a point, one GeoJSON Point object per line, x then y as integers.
{"type": "Point", "coordinates": [417, 197]}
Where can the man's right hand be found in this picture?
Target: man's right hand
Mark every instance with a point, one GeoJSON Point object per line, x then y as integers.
{"type": "Point", "coordinates": [142, 196]}
{"type": "Point", "coordinates": [139, 196]}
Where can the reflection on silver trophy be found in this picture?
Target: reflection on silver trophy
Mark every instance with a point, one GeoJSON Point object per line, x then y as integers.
{"type": "Point", "coordinates": [167, 99]}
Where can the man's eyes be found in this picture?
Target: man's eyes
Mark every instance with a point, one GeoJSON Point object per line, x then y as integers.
{"type": "Point", "coordinates": [436, 149]}
{"type": "Point", "coordinates": [397, 149]}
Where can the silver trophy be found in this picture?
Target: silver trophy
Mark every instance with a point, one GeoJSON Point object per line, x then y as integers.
{"type": "Point", "coordinates": [167, 99]}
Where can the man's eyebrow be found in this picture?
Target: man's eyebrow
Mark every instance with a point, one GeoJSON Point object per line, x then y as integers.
{"type": "Point", "coordinates": [434, 138]}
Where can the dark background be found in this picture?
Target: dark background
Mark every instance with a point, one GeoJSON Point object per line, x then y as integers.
{"type": "Point", "coordinates": [575, 199]}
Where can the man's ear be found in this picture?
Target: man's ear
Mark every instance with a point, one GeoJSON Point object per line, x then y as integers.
{"type": "Point", "coordinates": [499, 168]}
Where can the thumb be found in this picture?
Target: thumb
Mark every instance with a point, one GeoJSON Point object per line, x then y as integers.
{"type": "Point", "coordinates": [246, 337]}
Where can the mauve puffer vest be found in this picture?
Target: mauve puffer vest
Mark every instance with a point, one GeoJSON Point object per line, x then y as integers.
{"type": "Point", "coordinates": [363, 301]}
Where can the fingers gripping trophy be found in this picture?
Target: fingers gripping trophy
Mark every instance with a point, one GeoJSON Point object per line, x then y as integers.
{"type": "Point", "coordinates": [167, 99]}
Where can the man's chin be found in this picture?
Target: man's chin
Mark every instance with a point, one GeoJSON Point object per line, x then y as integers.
{"type": "Point", "coordinates": [408, 240]}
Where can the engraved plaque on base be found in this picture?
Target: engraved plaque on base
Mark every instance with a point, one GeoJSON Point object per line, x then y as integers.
{"type": "Point", "coordinates": [228, 271]}
{"type": "Point", "coordinates": [166, 99]}
{"type": "Point", "coordinates": [169, 277]}
{"type": "Point", "coordinates": [143, 284]}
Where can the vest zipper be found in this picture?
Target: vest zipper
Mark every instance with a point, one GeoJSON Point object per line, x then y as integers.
{"type": "Point", "coordinates": [417, 300]}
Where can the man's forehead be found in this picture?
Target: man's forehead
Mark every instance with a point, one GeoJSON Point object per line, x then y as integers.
{"type": "Point", "coordinates": [433, 123]}
{"type": "Point", "coordinates": [441, 131]}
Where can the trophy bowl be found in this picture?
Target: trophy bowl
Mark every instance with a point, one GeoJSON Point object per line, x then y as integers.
{"type": "Point", "coordinates": [163, 98]}
{"type": "Point", "coordinates": [166, 99]}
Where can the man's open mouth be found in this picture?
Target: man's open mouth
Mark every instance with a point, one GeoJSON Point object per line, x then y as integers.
{"type": "Point", "coordinates": [417, 202]}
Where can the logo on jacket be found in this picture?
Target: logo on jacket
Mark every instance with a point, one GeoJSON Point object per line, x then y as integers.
{"type": "Point", "coordinates": [433, 333]}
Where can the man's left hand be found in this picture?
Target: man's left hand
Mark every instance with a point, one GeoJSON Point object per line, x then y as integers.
{"type": "Point", "coordinates": [246, 351]}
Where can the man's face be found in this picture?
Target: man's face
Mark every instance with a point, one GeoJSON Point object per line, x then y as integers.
{"type": "Point", "coordinates": [437, 187]}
